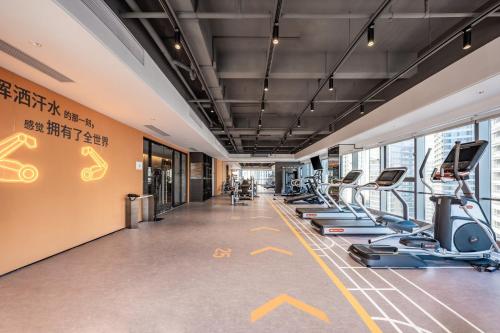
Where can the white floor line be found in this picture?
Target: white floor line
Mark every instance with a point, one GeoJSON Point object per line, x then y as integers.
{"type": "Point", "coordinates": [420, 329]}
{"type": "Point", "coordinates": [392, 286]}
{"type": "Point", "coordinates": [365, 294]}
{"type": "Point", "coordinates": [372, 289]}
{"type": "Point", "coordinates": [427, 294]}
{"type": "Point", "coordinates": [438, 301]}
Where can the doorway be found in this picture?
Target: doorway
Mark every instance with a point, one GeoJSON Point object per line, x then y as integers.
{"type": "Point", "coordinates": [158, 174]}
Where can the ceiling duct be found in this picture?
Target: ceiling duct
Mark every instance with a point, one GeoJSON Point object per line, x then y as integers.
{"type": "Point", "coordinates": [156, 130]}
{"type": "Point", "coordinates": [116, 26]}
{"type": "Point", "coordinates": [30, 61]}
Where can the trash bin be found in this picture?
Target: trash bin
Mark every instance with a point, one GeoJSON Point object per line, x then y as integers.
{"type": "Point", "coordinates": [132, 212]}
{"type": "Point", "coordinates": [137, 209]}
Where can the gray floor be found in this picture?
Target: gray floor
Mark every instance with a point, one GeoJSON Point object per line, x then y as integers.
{"type": "Point", "coordinates": [196, 271]}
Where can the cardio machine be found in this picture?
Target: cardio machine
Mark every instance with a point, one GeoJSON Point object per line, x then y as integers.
{"type": "Point", "coordinates": [313, 195]}
{"type": "Point", "coordinates": [388, 180]}
{"type": "Point", "coordinates": [461, 230]}
{"type": "Point", "coordinates": [335, 211]}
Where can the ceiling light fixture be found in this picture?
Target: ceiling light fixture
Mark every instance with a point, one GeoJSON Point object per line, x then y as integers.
{"type": "Point", "coordinates": [266, 84]}
{"type": "Point", "coordinates": [298, 123]}
{"type": "Point", "coordinates": [262, 107]}
{"type": "Point", "coordinates": [371, 35]}
{"type": "Point", "coordinates": [311, 106]}
{"type": "Point", "coordinates": [467, 38]}
{"type": "Point", "coordinates": [177, 38]}
{"type": "Point", "coordinates": [330, 83]}
{"type": "Point", "coordinates": [362, 109]}
{"type": "Point", "coordinates": [276, 33]}
{"type": "Point", "coordinates": [290, 132]}
{"type": "Point", "coordinates": [34, 43]}
{"type": "Point", "coordinates": [260, 122]}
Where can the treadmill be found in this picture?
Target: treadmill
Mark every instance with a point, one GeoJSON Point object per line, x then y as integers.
{"type": "Point", "coordinates": [388, 180]}
{"type": "Point", "coordinates": [334, 210]}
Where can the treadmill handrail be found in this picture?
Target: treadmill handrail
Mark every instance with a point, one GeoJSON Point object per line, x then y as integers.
{"type": "Point", "coordinates": [357, 194]}
{"type": "Point", "coordinates": [330, 198]}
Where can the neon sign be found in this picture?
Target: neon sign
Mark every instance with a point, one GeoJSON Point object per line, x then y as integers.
{"type": "Point", "coordinates": [97, 171]}
{"type": "Point", "coordinates": [12, 171]}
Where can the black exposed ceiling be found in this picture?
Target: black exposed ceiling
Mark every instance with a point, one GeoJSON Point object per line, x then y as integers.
{"type": "Point", "coordinates": [227, 54]}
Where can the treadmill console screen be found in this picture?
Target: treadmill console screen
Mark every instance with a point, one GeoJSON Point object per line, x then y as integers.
{"type": "Point", "coordinates": [390, 177]}
{"type": "Point", "coordinates": [469, 155]}
{"type": "Point", "coordinates": [351, 177]}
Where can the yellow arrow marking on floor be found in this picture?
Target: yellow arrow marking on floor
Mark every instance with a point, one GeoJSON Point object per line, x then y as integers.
{"type": "Point", "coordinates": [264, 309]}
{"type": "Point", "coordinates": [264, 228]}
{"type": "Point", "coordinates": [360, 310]}
{"type": "Point", "coordinates": [271, 248]}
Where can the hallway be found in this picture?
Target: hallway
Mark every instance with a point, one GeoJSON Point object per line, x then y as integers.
{"type": "Point", "coordinates": [213, 267]}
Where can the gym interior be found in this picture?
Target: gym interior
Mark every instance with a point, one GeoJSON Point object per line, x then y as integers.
{"type": "Point", "coordinates": [249, 166]}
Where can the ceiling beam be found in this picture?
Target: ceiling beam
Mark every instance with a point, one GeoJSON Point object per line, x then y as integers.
{"type": "Point", "coordinates": [281, 101]}
{"type": "Point", "coordinates": [297, 16]}
{"type": "Point", "coordinates": [174, 21]}
{"type": "Point", "coordinates": [458, 31]}
{"type": "Point", "coordinates": [313, 65]}
{"type": "Point", "coordinates": [345, 56]}
{"type": "Point", "coordinates": [269, 62]}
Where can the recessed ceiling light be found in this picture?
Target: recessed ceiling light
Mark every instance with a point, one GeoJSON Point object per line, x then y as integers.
{"type": "Point", "coordinates": [34, 43]}
{"type": "Point", "coordinates": [480, 92]}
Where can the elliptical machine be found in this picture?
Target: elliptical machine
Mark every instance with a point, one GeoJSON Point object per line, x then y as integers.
{"type": "Point", "coordinates": [461, 228]}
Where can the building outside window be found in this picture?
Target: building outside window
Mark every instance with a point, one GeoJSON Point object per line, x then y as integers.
{"type": "Point", "coordinates": [495, 173]}
{"type": "Point", "coordinates": [369, 162]}
{"type": "Point", "coordinates": [402, 154]}
{"type": "Point", "coordinates": [345, 167]}
{"type": "Point", "coordinates": [441, 144]}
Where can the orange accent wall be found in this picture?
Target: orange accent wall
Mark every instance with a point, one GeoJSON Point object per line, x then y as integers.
{"type": "Point", "coordinates": [59, 210]}
{"type": "Point", "coordinates": [219, 176]}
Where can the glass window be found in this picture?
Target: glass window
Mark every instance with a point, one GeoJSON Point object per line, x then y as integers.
{"type": "Point", "coordinates": [402, 154]}
{"type": "Point", "coordinates": [261, 176]}
{"type": "Point", "coordinates": [441, 144]}
{"type": "Point", "coordinates": [369, 162]}
{"type": "Point", "coordinates": [324, 164]}
{"type": "Point", "coordinates": [346, 164]}
{"type": "Point", "coordinates": [345, 167]}
{"type": "Point", "coordinates": [495, 173]}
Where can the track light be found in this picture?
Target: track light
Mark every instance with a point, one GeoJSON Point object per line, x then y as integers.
{"type": "Point", "coordinates": [177, 37]}
{"type": "Point", "coordinates": [212, 110]}
{"type": "Point", "coordinates": [276, 33]}
{"type": "Point", "coordinates": [266, 84]}
{"type": "Point", "coordinates": [371, 34]}
{"type": "Point", "coordinates": [262, 107]}
{"type": "Point", "coordinates": [290, 132]}
{"type": "Point", "coordinates": [330, 83]}
{"type": "Point", "coordinates": [298, 123]}
{"type": "Point", "coordinates": [260, 122]}
{"type": "Point", "coordinates": [362, 109]}
{"type": "Point", "coordinates": [467, 38]}
{"type": "Point", "coordinates": [311, 106]}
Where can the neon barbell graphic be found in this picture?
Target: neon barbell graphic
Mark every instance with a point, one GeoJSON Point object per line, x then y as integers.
{"type": "Point", "coordinates": [12, 171]}
{"type": "Point", "coordinates": [97, 171]}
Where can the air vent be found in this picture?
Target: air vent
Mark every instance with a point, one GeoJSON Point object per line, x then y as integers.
{"type": "Point", "coordinates": [29, 60]}
{"type": "Point", "coordinates": [156, 130]}
{"type": "Point", "coordinates": [260, 155]}
{"type": "Point", "coordinates": [109, 18]}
